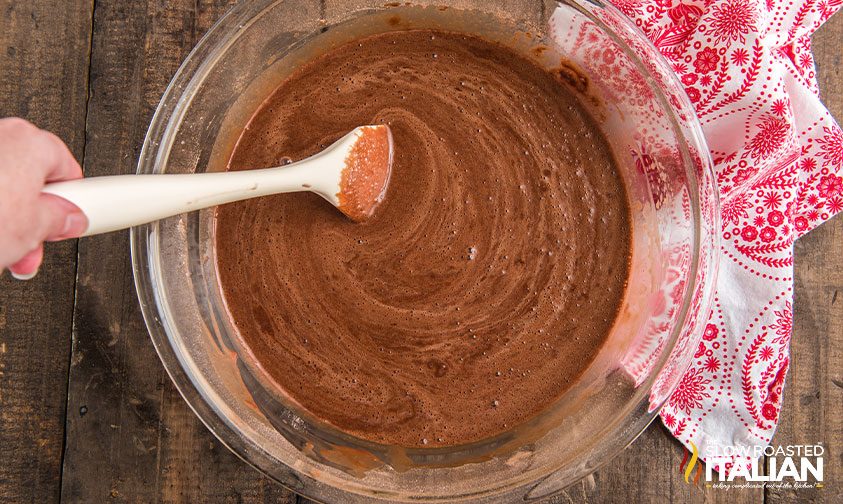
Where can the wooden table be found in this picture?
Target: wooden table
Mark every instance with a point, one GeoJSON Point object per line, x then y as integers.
{"type": "Point", "coordinates": [87, 413]}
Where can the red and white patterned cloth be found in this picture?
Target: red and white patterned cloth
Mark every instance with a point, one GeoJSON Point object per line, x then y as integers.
{"type": "Point", "coordinates": [748, 69]}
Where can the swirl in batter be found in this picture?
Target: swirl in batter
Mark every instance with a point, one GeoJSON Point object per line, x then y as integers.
{"type": "Point", "coordinates": [487, 280]}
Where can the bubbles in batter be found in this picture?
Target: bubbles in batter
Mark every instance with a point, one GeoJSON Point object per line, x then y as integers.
{"type": "Point", "coordinates": [488, 278]}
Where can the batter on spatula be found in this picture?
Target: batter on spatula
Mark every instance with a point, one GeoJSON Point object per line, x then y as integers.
{"type": "Point", "coordinates": [486, 281]}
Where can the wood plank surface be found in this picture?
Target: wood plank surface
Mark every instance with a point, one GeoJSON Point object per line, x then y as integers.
{"type": "Point", "coordinates": [130, 436]}
{"type": "Point", "coordinates": [813, 397]}
{"type": "Point", "coordinates": [44, 48]}
{"type": "Point", "coordinates": [647, 472]}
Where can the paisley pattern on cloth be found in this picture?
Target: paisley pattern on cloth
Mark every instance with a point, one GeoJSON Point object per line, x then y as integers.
{"type": "Point", "coordinates": [747, 67]}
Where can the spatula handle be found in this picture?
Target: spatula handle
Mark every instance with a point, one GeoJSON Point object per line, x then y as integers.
{"type": "Point", "coordinates": [122, 201]}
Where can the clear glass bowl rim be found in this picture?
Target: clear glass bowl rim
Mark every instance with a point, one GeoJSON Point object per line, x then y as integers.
{"type": "Point", "coordinates": [158, 142]}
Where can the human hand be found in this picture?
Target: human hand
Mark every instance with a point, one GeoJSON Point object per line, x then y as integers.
{"type": "Point", "coordinates": [29, 158]}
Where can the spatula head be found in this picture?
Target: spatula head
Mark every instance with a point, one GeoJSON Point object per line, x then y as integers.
{"type": "Point", "coordinates": [365, 177]}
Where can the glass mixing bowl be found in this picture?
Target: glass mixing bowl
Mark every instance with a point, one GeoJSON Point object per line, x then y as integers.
{"type": "Point", "coordinates": [664, 161]}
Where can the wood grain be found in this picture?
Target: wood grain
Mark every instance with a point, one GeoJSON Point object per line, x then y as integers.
{"type": "Point", "coordinates": [647, 472]}
{"type": "Point", "coordinates": [44, 48]}
{"type": "Point", "coordinates": [130, 436]}
{"type": "Point", "coordinates": [813, 394]}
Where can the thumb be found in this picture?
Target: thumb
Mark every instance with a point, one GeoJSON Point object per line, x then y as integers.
{"type": "Point", "coordinates": [27, 267]}
{"type": "Point", "coordinates": [62, 219]}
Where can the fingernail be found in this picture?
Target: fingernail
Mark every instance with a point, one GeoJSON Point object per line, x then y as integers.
{"type": "Point", "coordinates": [28, 276]}
{"type": "Point", "coordinates": [74, 225]}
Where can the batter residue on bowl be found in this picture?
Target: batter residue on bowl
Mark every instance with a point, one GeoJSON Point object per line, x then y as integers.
{"type": "Point", "coordinates": [487, 280]}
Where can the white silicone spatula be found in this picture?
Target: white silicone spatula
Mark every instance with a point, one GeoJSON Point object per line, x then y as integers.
{"type": "Point", "coordinates": [352, 174]}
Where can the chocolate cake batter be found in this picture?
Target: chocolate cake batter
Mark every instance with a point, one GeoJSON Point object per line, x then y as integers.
{"type": "Point", "coordinates": [483, 285]}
